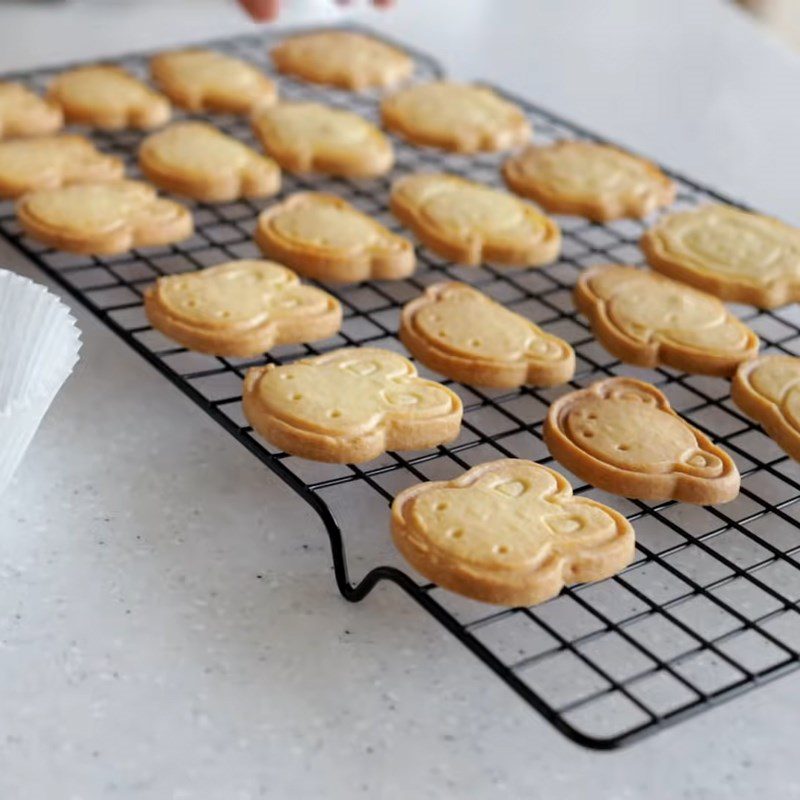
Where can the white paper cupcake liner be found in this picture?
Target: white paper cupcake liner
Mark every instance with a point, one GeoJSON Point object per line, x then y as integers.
{"type": "Point", "coordinates": [39, 344]}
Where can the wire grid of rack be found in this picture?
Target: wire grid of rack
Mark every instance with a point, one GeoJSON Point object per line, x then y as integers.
{"type": "Point", "coordinates": [709, 607]}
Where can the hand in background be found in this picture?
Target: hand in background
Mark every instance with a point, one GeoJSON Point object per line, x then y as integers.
{"type": "Point", "coordinates": [268, 10]}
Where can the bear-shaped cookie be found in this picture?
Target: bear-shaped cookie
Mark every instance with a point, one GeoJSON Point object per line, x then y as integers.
{"type": "Point", "coordinates": [647, 319]}
{"type": "Point", "coordinates": [241, 308]}
{"type": "Point", "coordinates": [469, 223]}
{"type": "Point", "coordinates": [349, 406]}
{"type": "Point", "coordinates": [768, 390]}
{"type": "Point", "coordinates": [24, 113]}
{"type": "Point", "coordinates": [621, 435]}
{"type": "Point", "coordinates": [509, 532]}
{"type": "Point", "coordinates": [467, 336]}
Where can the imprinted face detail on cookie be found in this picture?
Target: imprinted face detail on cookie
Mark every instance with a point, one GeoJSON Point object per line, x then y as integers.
{"type": "Point", "coordinates": [646, 319]}
{"type": "Point", "coordinates": [509, 532]}
{"type": "Point", "coordinates": [622, 436]}
{"type": "Point", "coordinates": [197, 160]}
{"type": "Point", "coordinates": [470, 223]}
{"type": "Point", "coordinates": [733, 254]}
{"type": "Point", "coordinates": [103, 218]}
{"type": "Point", "coordinates": [311, 137]}
{"type": "Point", "coordinates": [324, 237]}
{"type": "Point", "coordinates": [467, 336]}
{"type": "Point", "coordinates": [349, 406]}
{"type": "Point", "coordinates": [455, 116]}
{"type": "Point", "coordinates": [108, 97]}
{"type": "Point", "coordinates": [23, 113]}
{"type": "Point", "coordinates": [204, 80]}
{"type": "Point", "coordinates": [588, 179]}
{"type": "Point", "coordinates": [343, 59]}
{"type": "Point", "coordinates": [241, 308]}
{"type": "Point", "coordinates": [768, 389]}
{"type": "Point", "coordinates": [52, 161]}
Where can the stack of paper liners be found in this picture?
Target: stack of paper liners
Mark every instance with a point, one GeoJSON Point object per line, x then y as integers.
{"type": "Point", "coordinates": [39, 345]}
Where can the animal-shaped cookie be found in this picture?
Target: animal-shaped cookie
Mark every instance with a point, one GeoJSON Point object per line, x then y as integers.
{"type": "Point", "coordinates": [108, 97]}
{"type": "Point", "coordinates": [588, 179]}
{"type": "Point", "coordinates": [455, 116]}
{"type": "Point", "coordinates": [311, 137]}
{"type": "Point", "coordinates": [733, 254]}
{"type": "Point", "coordinates": [509, 532]}
{"type": "Point", "coordinates": [470, 223]}
{"type": "Point", "coordinates": [324, 237]}
{"type": "Point", "coordinates": [349, 406]}
{"type": "Point", "coordinates": [48, 162]}
{"type": "Point", "coordinates": [343, 59]}
{"type": "Point", "coordinates": [622, 436]}
{"type": "Point", "coordinates": [241, 308]}
{"type": "Point", "coordinates": [768, 390]}
{"type": "Point", "coordinates": [205, 80]}
{"type": "Point", "coordinates": [103, 218]}
{"type": "Point", "coordinates": [646, 319]}
{"type": "Point", "coordinates": [197, 160]}
{"type": "Point", "coordinates": [24, 113]}
{"type": "Point", "coordinates": [467, 336]}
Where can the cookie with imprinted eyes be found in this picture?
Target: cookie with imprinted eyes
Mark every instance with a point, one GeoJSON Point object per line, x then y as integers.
{"type": "Point", "coordinates": [733, 254]}
{"type": "Point", "coordinates": [349, 406]}
{"type": "Point", "coordinates": [48, 162]}
{"type": "Point", "coordinates": [621, 435]}
{"type": "Point", "coordinates": [103, 218]}
{"type": "Point", "coordinates": [470, 223]}
{"type": "Point", "coordinates": [24, 113]}
{"type": "Point", "coordinates": [311, 137]}
{"type": "Point", "coordinates": [589, 180]}
{"type": "Point", "coordinates": [324, 237]}
{"type": "Point", "coordinates": [509, 532]}
{"type": "Point", "coordinates": [197, 160]}
{"type": "Point", "coordinates": [455, 116]}
{"type": "Point", "coordinates": [768, 390]}
{"type": "Point", "coordinates": [106, 96]}
{"type": "Point", "coordinates": [205, 80]}
{"type": "Point", "coordinates": [241, 308]}
{"type": "Point", "coordinates": [465, 335]}
{"type": "Point", "coordinates": [647, 319]}
{"type": "Point", "coordinates": [343, 59]}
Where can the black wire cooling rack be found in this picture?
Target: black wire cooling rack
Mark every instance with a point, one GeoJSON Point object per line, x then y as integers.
{"type": "Point", "coordinates": [709, 608]}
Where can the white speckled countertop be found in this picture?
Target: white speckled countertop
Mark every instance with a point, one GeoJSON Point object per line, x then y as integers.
{"type": "Point", "coordinates": [171, 629]}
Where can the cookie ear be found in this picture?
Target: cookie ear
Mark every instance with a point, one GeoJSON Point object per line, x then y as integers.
{"type": "Point", "coordinates": [633, 391]}
{"type": "Point", "coordinates": [700, 463]}
{"type": "Point", "coordinates": [367, 361]}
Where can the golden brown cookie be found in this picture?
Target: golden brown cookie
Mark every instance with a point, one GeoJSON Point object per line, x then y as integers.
{"type": "Point", "coordinates": [311, 137]}
{"type": "Point", "coordinates": [197, 160]}
{"type": "Point", "coordinates": [646, 319]}
{"type": "Point", "coordinates": [589, 180]}
{"type": "Point", "coordinates": [23, 113]}
{"type": "Point", "coordinates": [509, 532]}
{"type": "Point", "coordinates": [324, 237]}
{"type": "Point", "coordinates": [343, 59]}
{"type": "Point", "coordinates": [52, 161]}
{"type": "Point", "coordinates": [733, 254]}
{"type": "Point", "coordinates": [103, 218]}
{"type": "Point", "coordinates": [108, 97]}
{"type": "Point", "coordinates": [349, 406]}
{"type": "Point", "coordinates": [469, 223]}
{"type": "Point", "coordinates": [768, 390]}
{"type": "Point", "coordinates": [622, 436]}
{"type": "Point", "coordinates": [465, 335]}
{"type": "Point", "coordinates": [455, 116]}
{"type": "Point", "coordinates": [241, 308]}
{"type": "Point", "coordinates": [205, 80]}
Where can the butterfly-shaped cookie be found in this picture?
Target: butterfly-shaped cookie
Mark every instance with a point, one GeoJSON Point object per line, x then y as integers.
{"type": "Point", "coordinates": [241, 308]}
{"type": "Point", "coordinates": [349, 406]}
{"type": "Point", "coordinates": [622, 436]}
{"type": "Point", "coordinates": [646, 319]}
{"type": "Point", "coordinates": [509, 532]}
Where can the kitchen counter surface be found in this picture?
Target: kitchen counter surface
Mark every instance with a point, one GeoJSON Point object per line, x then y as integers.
{"type": "Point", "coordinates": [171, 628]}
